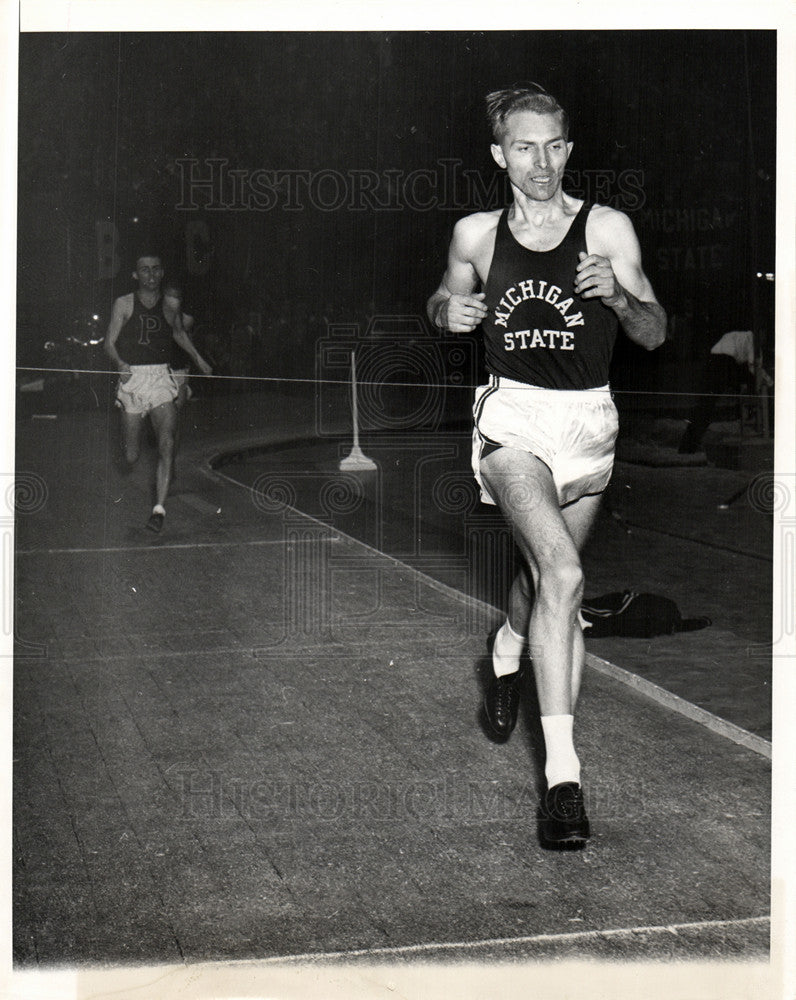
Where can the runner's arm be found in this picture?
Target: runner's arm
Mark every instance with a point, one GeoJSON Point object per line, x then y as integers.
{"type": "Point", "coordinates": [184, 341]}
{"type": "Point", "coordinates": [172, 310]}
{"type": "Point", "coordinates": [455, 305]}
{"type": "Point", "coordinates": [614, 274]}
{"type": "Point", "coordinates": [119, 315]}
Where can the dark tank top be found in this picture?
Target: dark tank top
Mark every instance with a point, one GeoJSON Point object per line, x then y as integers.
{"type": "Point", "coordinates": [537, 329]}
{"type": "Point", "coordinates": [146, 337]}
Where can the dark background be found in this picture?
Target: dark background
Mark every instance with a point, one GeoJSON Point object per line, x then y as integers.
{"type": "Point", "coordinates": [677, 128]}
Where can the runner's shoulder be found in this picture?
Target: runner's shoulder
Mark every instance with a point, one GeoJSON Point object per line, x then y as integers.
{"type": "Point", "coordinates": [610, 220]}
{"type": "Point", "coordinates": [472, 230]}
{"type": "Point", "coordinates": [124, 305]}
{"type": "Point", "coordinates": [609, 228]}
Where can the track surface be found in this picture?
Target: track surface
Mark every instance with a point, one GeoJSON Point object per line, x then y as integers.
{"type": "Point", "coordinates": [253, 738]}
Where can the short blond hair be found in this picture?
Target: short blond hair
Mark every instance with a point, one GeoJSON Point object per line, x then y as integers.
{"type": "Point", "coordinates": [522, 97]}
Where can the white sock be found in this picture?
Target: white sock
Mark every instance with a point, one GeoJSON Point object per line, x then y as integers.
{"type": "Point", "coordinates": [159, 509]}
{"type": "Point", "coordinates": [562, 762]}
{"type": "Point", "coordinates": [507, 650]}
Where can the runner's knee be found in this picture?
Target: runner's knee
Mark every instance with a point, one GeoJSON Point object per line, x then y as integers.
{"type": "Point", "coordinates": [561, 583]}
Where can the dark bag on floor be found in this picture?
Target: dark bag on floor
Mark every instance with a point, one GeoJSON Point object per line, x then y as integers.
{"type": "Point", "coordinates": [635, 615]}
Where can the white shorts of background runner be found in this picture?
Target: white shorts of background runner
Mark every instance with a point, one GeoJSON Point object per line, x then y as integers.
{"type": "Point", "coordinates": [148, 386]}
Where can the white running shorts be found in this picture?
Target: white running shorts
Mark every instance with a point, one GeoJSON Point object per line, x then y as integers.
{"type": "Point", "coordinates": [572, 431]}
{"type": "Point", "coordinates": [148, 386]}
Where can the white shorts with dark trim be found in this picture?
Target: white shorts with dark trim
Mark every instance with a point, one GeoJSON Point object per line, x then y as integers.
{"type": "Point", "coordinates": [572, 431]}
{"type": "Point", "coordinates": [148, 386]}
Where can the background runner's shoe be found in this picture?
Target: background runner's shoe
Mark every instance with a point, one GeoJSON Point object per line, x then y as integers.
{"type": "Point", "coordinates": [155, 522]}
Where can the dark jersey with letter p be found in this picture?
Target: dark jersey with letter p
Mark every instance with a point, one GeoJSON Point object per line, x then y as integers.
{"type": "Point", "coordinates": [146, 337]}
{"type": "Point", "coordinates": [537, 330]}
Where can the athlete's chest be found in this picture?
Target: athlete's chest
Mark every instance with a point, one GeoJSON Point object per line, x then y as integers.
{"type": "Point", "coordinates": [520, 244]}
{"type": "Point", "coordinates": [147, 325]}
{"type": "Point", "coordinates": [543, 237]}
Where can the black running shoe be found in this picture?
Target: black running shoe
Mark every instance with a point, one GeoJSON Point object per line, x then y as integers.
{"type": "Point", "coordinates": [563, 824]}
{"type": "Point", "coordinates": [502, 698]}
{"type": "Point", "coordinates": [501, 704]}
{"type": "Point", "coordinates": [155, 522]}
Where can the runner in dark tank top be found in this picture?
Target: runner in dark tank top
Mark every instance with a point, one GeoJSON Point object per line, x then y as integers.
{"type": "Point", "coordinates": [146, 338]}
{"type": "Point", "coordinates": [545, 426]}
{"type": "Point", "coordinates": [536, 329]}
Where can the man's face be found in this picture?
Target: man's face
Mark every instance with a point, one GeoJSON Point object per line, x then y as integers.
{"type": "Point", "coordinates": [149, 273]}
{"type": "Point", "coordinates": [534, 153]}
